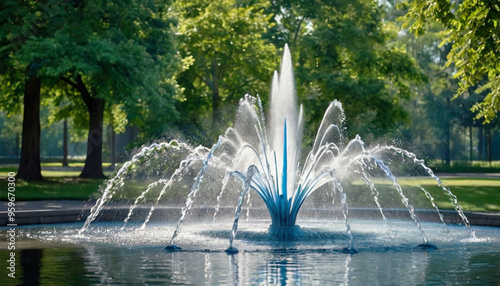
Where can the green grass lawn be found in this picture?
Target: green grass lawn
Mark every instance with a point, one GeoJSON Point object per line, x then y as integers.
{"type": "Point", "coordinates": [54, 170]}
{"type": "Point", "coordinates": [72, 164]}
{"type": "Point", "coordinates": [57, 184]}
{"type": "Point", "coordinates": [53, 189]}
{"type": "Point", "coordinates": [473, 193]}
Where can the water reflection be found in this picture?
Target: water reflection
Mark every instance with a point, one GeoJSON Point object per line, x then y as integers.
{"type": "Point", "coordinates": [106, 264]}
{"type": "Point", "coordinates": [346, 273]}
{"type": "Point", "coordinates": [31, 260]}
{"type": "Point", "coordinates": [282, 269]}
{"type": "Point", "coordinates": [234, 277]}
{"type": "Point", "coordinates": [208, 269]}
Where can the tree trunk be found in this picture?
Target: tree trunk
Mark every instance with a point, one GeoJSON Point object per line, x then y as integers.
{"type": "Point", "coordinates": [470, 143]}
{"type": "Point", "coordinates": [29, 164]}
{"type": "Point", "coordinates": [215, 96]}
{"type": "Point", "coordinates": [480, 143]}
{"type": "Point", "coordinates": [488, 139]}
{"type": "Point", "coordinates": [93, 161]}
{"type": "Point", "coordinates": [447, 126]}
{"type": "Point", "coordinates": [112, 147]}
{"type": "Point", "coordinates": [215, 107]}
{"type": "Point", "coordinates": [95, 107]}
{"type": "Point", "coordinates": [65, 143]}
{"type": "Point", "coordinates": [447, 146]}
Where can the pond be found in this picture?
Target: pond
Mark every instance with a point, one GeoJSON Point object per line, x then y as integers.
{"type": "Point", "coordinates": [56, 254]}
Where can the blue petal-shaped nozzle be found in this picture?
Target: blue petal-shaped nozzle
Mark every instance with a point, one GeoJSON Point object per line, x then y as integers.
{"type": "Point", "coordinates": [284, 174]}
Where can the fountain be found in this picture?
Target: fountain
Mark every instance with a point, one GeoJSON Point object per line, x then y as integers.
{"type": "Point", "coordinates": [343, 213]}
{"type": "Point", "coordinates": [265, 156]}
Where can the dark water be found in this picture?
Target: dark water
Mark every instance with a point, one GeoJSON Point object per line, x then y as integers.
{"type": "Point", "coordinates": [58, 260]}
{"type": "Point", "coordinates": [152, 266]}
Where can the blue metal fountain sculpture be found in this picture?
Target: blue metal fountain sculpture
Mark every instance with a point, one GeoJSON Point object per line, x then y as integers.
{"type": "Point", "coordinates": [270, 155]}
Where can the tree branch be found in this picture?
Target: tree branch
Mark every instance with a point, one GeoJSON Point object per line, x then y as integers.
{"type": "Point", "coordinates": [205, 80]}
{"type": "Point", "coordinates": [296, 34]}
{"type": "Point", "coordinates": [80, 85]}
{"type": "Point", "coordinates": [68, 81]}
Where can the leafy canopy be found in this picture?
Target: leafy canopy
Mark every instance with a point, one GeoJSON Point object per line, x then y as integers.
{"type": "Point", "coordinates": [123, 50]}
{"type": "Point", "coordinates": [224, 54]}
{"type": "Point", "coordinates": [473, 29]}
{"type": "Point", "coordinates": [345, 50]}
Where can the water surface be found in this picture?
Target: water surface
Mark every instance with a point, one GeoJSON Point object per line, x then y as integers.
{"type": "Point", "coordinates": [56, 255]}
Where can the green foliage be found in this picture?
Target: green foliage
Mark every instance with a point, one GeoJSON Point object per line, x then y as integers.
{"type": "Point", "coordinates": [474, 32]}
{"type": "Point", "coordinates": [430, 107]}
{"type": "Point", "coordinates": [19, 21]}
{"type": "Point", "coordinates": [344, 50]}
{"type": "Point", "coordinates": [125, 53]}
{"type": "Point", "coordinates": [123, 50]}
{"type": "Point", "coordinates": [191, 61]}
{"type": "Point", "coordinates": [224, 55]}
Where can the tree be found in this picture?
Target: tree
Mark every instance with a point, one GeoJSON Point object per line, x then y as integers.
{"type": "Point", "coordinates": [431, 109]}
{"type": "Point", "coordinates": [474, 33]}
{"type": "Point", "coordinates": [446, 117]}
{"type": "Point", "coordinates": [65, 143]}
{"type": "Point", "coordinates": [224, 54]}
{"type": "Point", "coordinates": [110, 53]}
{"type": "Point", "coordinates": [30, 164]}
{"type": "Point", "coordinates": [21, 22]}
{"type": "Point", "coordinates": [345, 50]}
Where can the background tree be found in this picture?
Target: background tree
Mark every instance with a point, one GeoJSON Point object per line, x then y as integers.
{"type": "Point", "coordinates": [224, 55]}
{"type": "Point", "coordinates": [473, 29]}
{"type": "Point", "coordinates": [23, 22]}
{"type": "Point", "coordinates": [111, 52]}
{"type": "Point", "coordinates": [440, 120]}
{"type": "Point", "coordinates": [431, 109]}
{"type": "Point", "coordinates": [344, 50]}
